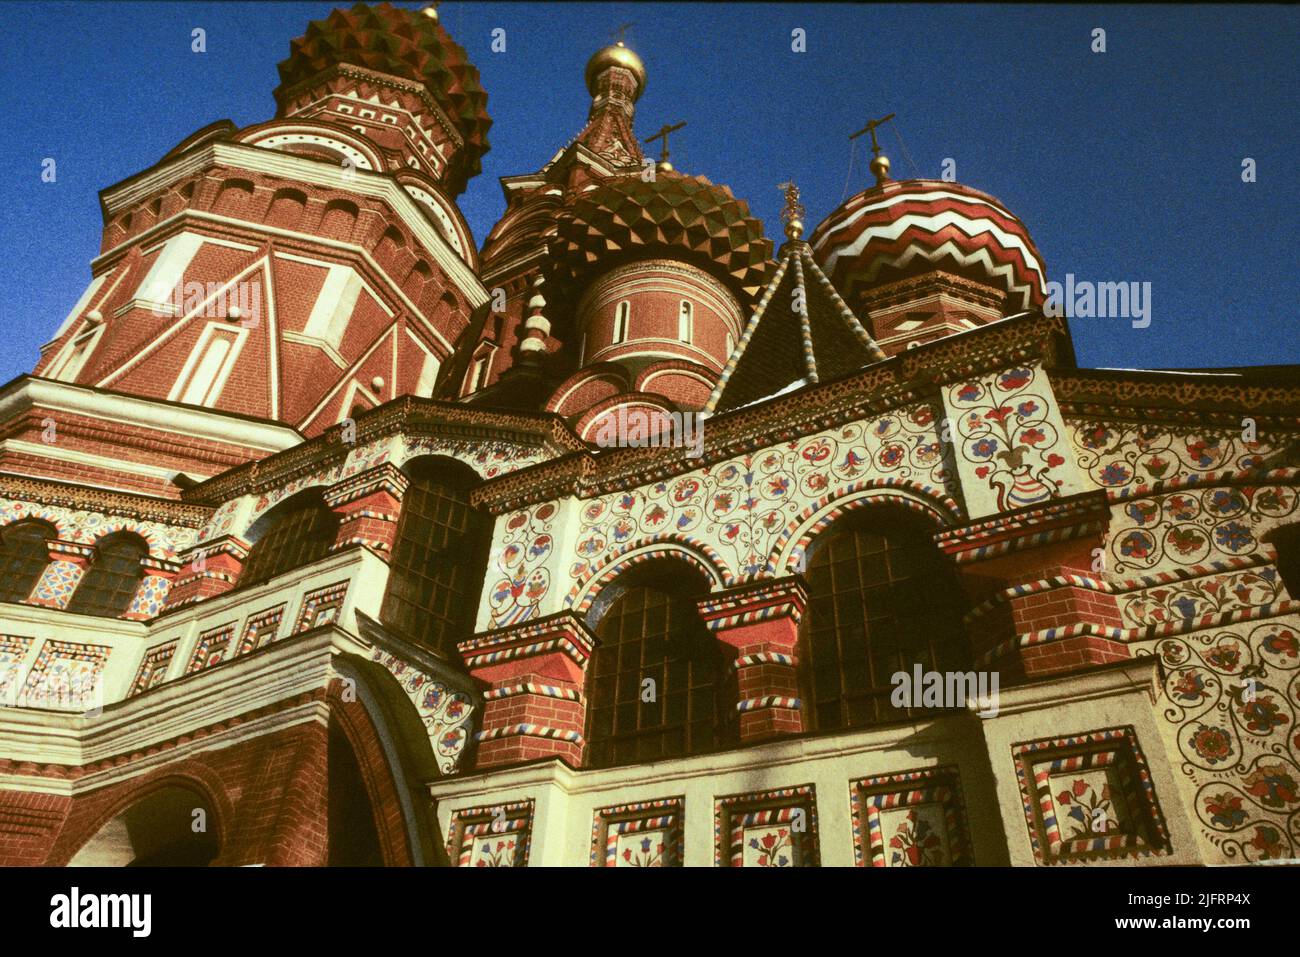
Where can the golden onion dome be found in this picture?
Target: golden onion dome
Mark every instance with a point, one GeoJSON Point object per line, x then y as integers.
{"type": "Point", "coordinates": [615, 55]}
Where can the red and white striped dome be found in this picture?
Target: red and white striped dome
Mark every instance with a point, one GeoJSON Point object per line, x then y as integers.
{"type": "Point", "coordinates": [902, 228]}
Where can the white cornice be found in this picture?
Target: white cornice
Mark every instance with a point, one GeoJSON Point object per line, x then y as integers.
{"type": "Point", "coordinates": [305, 170]}
{"type": "Point", "coordinates": [280, 672]}
{"type": "Point", "coordinates": [22, 394]}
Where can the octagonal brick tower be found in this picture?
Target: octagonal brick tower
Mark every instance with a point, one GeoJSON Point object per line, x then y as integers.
{"type": "Point", "coordinates": [923, 259]}
{"type": "Point", "coordinates": [301, 269]}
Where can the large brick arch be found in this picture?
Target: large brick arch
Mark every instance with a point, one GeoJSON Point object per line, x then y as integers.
{"type": "Point", "coordinates": [699, 555]}
{"type": "Point", "coordinates": [395, 756]}
{"type": "Point", "coordinates": [93, 812]}
{"type": "Point", "coordinates": [790, 548]}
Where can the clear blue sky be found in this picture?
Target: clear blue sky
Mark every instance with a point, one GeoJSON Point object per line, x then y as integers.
{"type": "Point", "coordinates": [1125, 166]}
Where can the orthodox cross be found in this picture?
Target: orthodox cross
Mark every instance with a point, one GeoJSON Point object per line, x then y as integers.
{"type": "Point", "coordinates": [663, 135]}
{"type": "Point", "coordinates": [871, 128]}
{"type": "Point", "coordinates": [617, 35]}
{"type": "Point", "coordinates": [793, 208]}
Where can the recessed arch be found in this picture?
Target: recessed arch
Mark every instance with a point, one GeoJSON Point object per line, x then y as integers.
{"type": "Point", "coordinates": [172, 823]}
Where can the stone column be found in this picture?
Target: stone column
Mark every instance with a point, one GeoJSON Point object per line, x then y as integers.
{"type": "Point", "coordinates": [368, 505]}
{"type": "Point", "coordinates": [68, 563]}
{"type": "Point", "coordinates": [761, 622]}
{"type": "Point", "coordinates": [534, 707]}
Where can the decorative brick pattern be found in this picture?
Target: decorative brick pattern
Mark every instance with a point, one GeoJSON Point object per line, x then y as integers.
{"type": "Point", "coordinates": [1089, 797]}
{"type": "Point", "coordinates": [211, 648]}
{"type": "Point", "coordinates": [910, 819]}
{"type": "Point", "coordinates": [775, 828]}
{"type": "Point", "coordinates": [260, 630]}
{"type": "Point", "coordinates": [153, 669]}
{"type": "Point", "coordinates": [491, 836]}
{"type": "Point", "coordinates": [322, 606]}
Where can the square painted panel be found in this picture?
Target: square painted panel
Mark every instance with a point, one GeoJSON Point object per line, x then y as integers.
{"type": "Point", "coordinates": [910, 819]}
{"type": "Point", "coordinates": [645, 834]}
{"type": "Point", "coordinates": [1089, 797]}
{"type": "Point", "coordinates": [776, 828]}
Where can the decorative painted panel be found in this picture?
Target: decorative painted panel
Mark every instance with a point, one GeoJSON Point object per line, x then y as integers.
{"type": "Point", "coordinates": [1089, 797]}
{"type": "Point", "coordinates": [739, 519]}
{"type": "Point", "coordinates": [645, 834]}
{"type": "Point", "coordinates": [13, 652]}
{"type": "Point", "coordinates": [1115, 455]}
{"type": "Point", "coordinates": [491, 836]}
{"type": "Point", "coordinates": [444, 711]}
{"type": "Point", "coordinates": [153, 669]}
{"type": "Point", "coordinates": [260, 630]}
{"type": "Point", "coordinates": [1232, 699]}
{"type": "Point", "coordinates": [85, 527]}
{"type": "Point", "coordinates": [1012, 451]}
{"type": "Point", "coordinates": [910, 819]}
{"type": "Point", "coordinates": [66, 676]}
{"type": "Point", "coordinates": [775, 828]}
{"type": "Point", "coordinates": [322, 606]}
{"type": "Point", "coordinates": [1196, 526]}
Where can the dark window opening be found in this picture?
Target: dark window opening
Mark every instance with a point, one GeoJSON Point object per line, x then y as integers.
{"type": "Point", "coordinates": [881, 599]}
{"type": "Point", "coordinates": [652, 632]}
{"type": "Point", "coordinates": [300, 532]}
{"type": "Point", "coordinates": [113, 577]}
{"type": "Point", "coordinates": [436, 570]}
{"type": "Point", "coordinates": [24, 556]}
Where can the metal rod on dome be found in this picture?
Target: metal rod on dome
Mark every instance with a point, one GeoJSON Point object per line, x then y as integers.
{"type": "Point", "coordinates": [879, 164]}
{"type": "Point", "coordinates": [663, 135]}
{"type": "Point", "coordinates": [871, 128]}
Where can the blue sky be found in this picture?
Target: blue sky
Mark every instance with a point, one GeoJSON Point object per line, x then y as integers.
{"type": "Point", "coordinates": [1125, 166]}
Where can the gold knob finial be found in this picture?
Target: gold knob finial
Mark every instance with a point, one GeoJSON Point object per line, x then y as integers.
{"type": "Point", "coordinates": [880, 167]}
{"type": "Point", "coordinates": [793, 211]}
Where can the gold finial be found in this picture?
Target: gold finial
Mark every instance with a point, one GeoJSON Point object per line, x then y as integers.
{"type": "Point", "coordinates": [431, 11]}
{"type": "Point", "coordinates": [663, 165]}
{"type": "Point", "coordinates": [879, 163]}
{"type": "Point", "coordinates": [793, 211]}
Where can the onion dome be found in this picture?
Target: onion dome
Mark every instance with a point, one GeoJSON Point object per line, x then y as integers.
{"type": "Point", "coordinates": [673, 216]}
{"type": "Point", "coordinates": [409, 44]}
{"type": "Point", "coordinates": [620, 56]}
{"type": "Point", "coordinates": [899, 229]}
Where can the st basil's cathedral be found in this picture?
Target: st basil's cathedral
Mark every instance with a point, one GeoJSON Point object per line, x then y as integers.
{"type": "Point", "coordinates": [631, 538]}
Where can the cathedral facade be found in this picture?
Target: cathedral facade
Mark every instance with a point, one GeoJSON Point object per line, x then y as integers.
{"type": "Point", "coordinates": [631, 538]}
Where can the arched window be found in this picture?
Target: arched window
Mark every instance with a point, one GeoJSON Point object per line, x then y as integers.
{"type": "Point", "coordinates": [881, 599]}
{"type": "Point", "coordinates": [436, 570]}
{"type": "Point", "coordinates": [660, 684]}
{"type": "Point", "coordinates": [296, 533]}
{"type": "Point", "coordinates": [1287, 542]}
{"type": "Point", "coordinates": [112, 578]}
{"type": "Point", "coordinates": [622, 316]}
{"type": "Point", "coordinates": [685, 322]}
{"type": "Point", "coordinates": [23, 557]}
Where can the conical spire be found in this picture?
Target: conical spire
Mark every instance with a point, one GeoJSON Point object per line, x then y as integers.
{"type": "Point", "coordinates": [799, 333]}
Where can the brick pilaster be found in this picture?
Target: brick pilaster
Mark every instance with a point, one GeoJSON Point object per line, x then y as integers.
{"type": "Point", "coordinates": [761, 622]}
{"type": "Point", "coordinates": [1039, 608]}
{"type": "Point", "coordinates": [368, 505]}
{"type": "Point", "coordinates": [534, 706]}
{"type": "Point", "coordinates": [206, 570]}
{"type": "Point", "coordinates": [68, 563]}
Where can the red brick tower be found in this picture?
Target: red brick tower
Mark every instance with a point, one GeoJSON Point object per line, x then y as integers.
{"type": "Point", "coordinates": [923, 259]}
{"type": "Point", "coordinates": [294, 271]}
